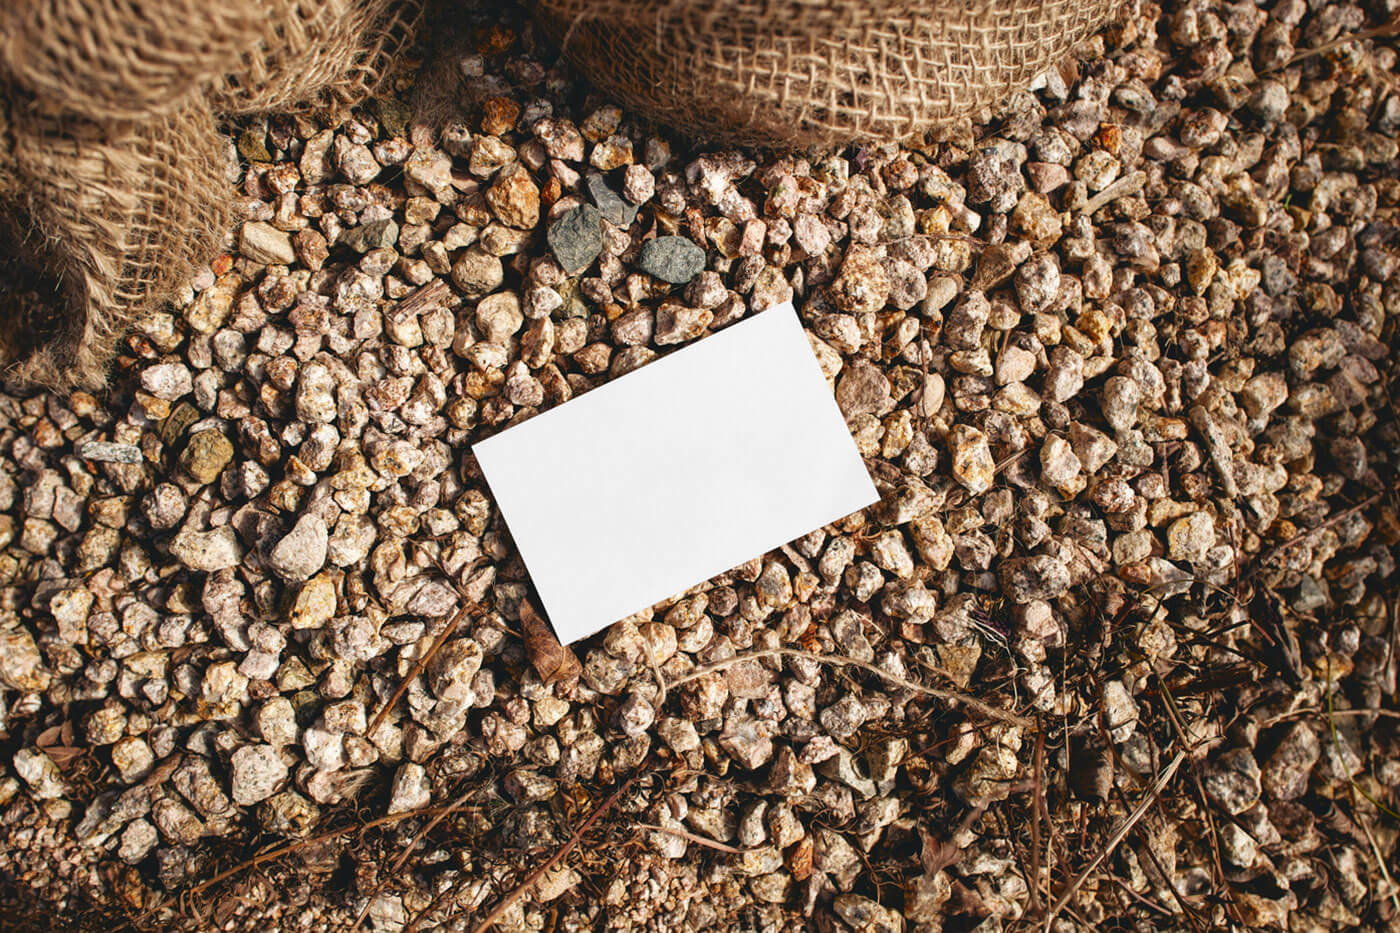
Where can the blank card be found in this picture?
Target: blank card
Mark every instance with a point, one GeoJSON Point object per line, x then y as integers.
{"type": "Point", "coordinates": [676, 472]}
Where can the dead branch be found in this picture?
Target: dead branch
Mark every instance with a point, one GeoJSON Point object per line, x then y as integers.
{"type": "Point", "coordinates": [509, 900]}
{"type": "Point", "coordinates": [1305, 535]}
{"type": "Point", "coordinates": [1123, 829]}
{"type": "Point", "coordinates": [841, 660]}
{"type": "Point", "coordinates": [418, 668]}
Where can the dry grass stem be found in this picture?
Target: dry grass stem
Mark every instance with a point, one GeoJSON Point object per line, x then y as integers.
{"type": "Point", "coordinates": [1122, 831]}
{"type": "Point", "coordinates": [950, 696]}
{"type": "Point", "coordinates": [524, 887]}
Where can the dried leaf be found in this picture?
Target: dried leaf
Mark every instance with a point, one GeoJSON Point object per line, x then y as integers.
{"type": "Point", "coordinates": [62, 755]}
{"type": "Point", "coordinates": [1090, 769]}
{"type": "Point", "coordinates": [551, 660]}
{"type": "Point", "coordinates": [937, 853]}
{"type": "Point", "coordinates": [163, 770]}
{"type": "Point", "coordinates": [49, 737]}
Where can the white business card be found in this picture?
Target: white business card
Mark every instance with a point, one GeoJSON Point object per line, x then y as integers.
{"type": "Point", "coordinates": [676, 472]}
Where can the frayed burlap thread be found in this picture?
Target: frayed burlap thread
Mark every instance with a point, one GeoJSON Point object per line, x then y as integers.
{"type": "Point", "coordinates": [815, 72]}
{"type": "Point", "coordinates": [116, 187]}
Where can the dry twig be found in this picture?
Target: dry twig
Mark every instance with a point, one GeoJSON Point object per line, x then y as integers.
{"type": "Point", "coordinates": [408, 850]}
{"type": "Point", "coordinates": [1389, 29]}
{"type": "Point", "coordinates": [509, 900]}
{"type": "Point", "coordinates": [1305, 535]}
{"type": "Point", "coordinates": [1118, 834]}
{"type": "Point", "coordinates": [1128, 184]}
{"type": "Point", "coordinates": [277, 852]}
{"type": "Point", "coordinates": [841, 660]}
{"type": "Point", "coordinates": [418, 668]}
{"type": "Point", "coordinates": [695, 838]}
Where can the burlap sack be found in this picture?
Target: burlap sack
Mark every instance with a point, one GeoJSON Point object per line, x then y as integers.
{"type": "Point", "coordinates": [815, 72]}
{"type": "Point", "coordinates": [113, 188]}
{"type": "Point", "coordinates": [107, 60]}
{"type": "Point", "coordinates": [316, 55]}
{"type": "Point", "coordinates": [116, 216]}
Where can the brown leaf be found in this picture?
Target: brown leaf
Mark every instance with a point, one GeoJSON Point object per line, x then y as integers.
{"type": "Point", "coordinates": [551, 660]}
{"type": "Point", "coordinates": [62, 755]}
{"type": "Point", "coordinates": [937, 853]}
{"type": "Point", "coordinates": [163, 770]}
{"type": "Point", "coordinates": [1090, 769]}
{"type": "Point", "coordinates": [49, 737]}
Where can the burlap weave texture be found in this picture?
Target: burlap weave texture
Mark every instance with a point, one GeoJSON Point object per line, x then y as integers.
{"type": "Point", "coordinates": [815, 72]}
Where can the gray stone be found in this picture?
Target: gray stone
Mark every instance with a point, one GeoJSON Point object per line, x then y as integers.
{"type": "Point", "coordinates": [410, 789]}
{"type": "Point", "coordinates": [256, 772]}
{"type": "Point", "coordinates": [177, 822]}
{"type": "Point", "coordinates": [107, 452]}
{"type": "Point", "coordinates": [842, 718]}
{"type": "Point", "coordinates": [325, 750]}
{"type": "Point", "coordinates": [477, 273]}
{"type": "Point", "coordinates": [526, 785]}
{"type": "Point", "coordinates": [315, 394]}
{"type": "Point", "coordinates": [452, 669]}
{"type": "Point", "coordinates": [672, 259]}
{"type": "Point", "coordinates": [789, 776]}
{"type": "Point", "coordinates": [21, 664]}
{"type": "Point", "coordinates": [610, 204]}
{"type": "Point", "coordinates": [863, 388]}
{"type": "Point", "coordinates": [1191, 537]}
{"type": "Point", "coordinates": [38, 771]}
{"type": "Point", "coordinates": [138, 839]}
{"type": "Point", "coordinates": [972, 458]}
{"type": "Point", "coordinates": [276, 722]}
{"type": "Point", "coordinates": [1286, 773]}
{"type": "Point", "coordinates": [365, 237]}
{"type": "Point", "coordinates": [1060, 466]}
{"type": "Point", "coordinates": [1065, 376]}
{"type": "Point", "coordinates": [677, 323]}
{"type": "Point", "coordinates": [386, 914]}
{"type": "Point", "coordinates": [355, 161]}
{"type": "Point", "coordinates": [1120, 711]}
{"type": "Point", "coordinates": [891, 555]}
{"type": "Point", "coordinates": [499, 318]}
{"type": "Point", "coordinates": [1232, 781]}
{"type": "Point", "coordinates": [833, 855]}
{"type": "Point", "coordinates": [746, 740]}
{"type": "Point", "coordinates": [867, 916]}
{"type": "Point", "coordinates": [168, 381]}
{"type": "Point", "coordinates": [577, 238]}
{"type": "Point", "coordinates": [133, 758]}
{"type": "Point", "coordinates": [289, 814]}
{"type": "Point", "coordinates": [207, 551]}
{"type": "Point", "coordinates": [1024, 579]}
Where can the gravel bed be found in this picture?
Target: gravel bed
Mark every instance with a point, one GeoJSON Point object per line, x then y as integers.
{"type": "Point", "coordinates": [1119, 358]}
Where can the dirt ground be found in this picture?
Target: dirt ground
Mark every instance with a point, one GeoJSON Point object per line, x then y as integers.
{"type": "Point", "coordinates": [1115, 651]}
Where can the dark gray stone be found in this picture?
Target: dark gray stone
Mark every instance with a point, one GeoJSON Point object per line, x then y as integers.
{"type": "Point", "coordinates": [611, 205]}
{"type": "Point", "coordinates": [577, 238]}
{"type": "Point", "coordinates": [370, 236]}
{"type": "Point", "coordinates": [672, 259]}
